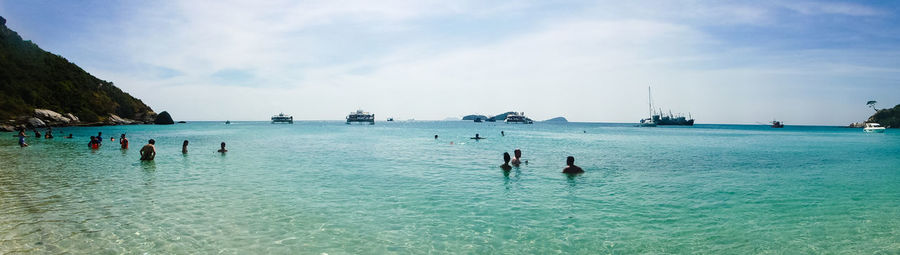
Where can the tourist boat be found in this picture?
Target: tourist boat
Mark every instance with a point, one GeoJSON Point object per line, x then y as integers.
{"type": "Point", "coordinates": [390, 119]}
{"type": "Point", "coordinates": [281, 118]}
{"type": "Point", "coordinates": [361, 117]}
{"type": "Point", "coordinates": [662, 119]}
{"type": "Point", "coordinates": [227, 122]}
{"type": "Point", "coordinates": [777, 124]}
{"type": "Point", "coordinates": [519, 118]}
{"type": "Point", "coordinates": [873, 128]}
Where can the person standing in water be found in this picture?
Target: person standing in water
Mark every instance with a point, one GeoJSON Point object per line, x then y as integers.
{"type": "Point", "coordinates": [503, 134]}
{"type": "Point", "coordinates": [99, 138]}
{"type": "Point", "coordinates": [222, 150]}
{"type": "Point", "coordinates": [435, 137]}
{"type": "Point", "coordinates": [517, 160]}
{"type": "Point", "coordinates": [149, 150]}
{"type": "Point", "coordinates": [123, 142]}
{"type": "Point", "coordinates": [571, 168]}
{"type": "Point", "coordinates": [37, 134]}
{"type": "Point", "coordinates": [69, 137]}
{"type": "Point", "coordinates": [505, 166]}
{"type": "Point", "coordinates": [22, 138]}
{"type": "Point", "coordinates": [184, 147]}
{"type": "Point", "coordinates": [49, 134]}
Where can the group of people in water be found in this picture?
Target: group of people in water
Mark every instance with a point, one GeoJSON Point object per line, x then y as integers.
{"type": "Point", "coordinates": [510, 162]}
{"type": "Point", "coordinates": [148, 152]}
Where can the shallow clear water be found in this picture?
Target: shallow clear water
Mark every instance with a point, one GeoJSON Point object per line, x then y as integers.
{"type": "Point", "coordinates": [326, 187]}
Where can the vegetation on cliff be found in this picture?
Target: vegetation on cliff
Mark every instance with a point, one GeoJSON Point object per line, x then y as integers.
{"type": "Point", "coordinates": [33, 78]}
{"type": "Point", "coordinates": [889, 117]}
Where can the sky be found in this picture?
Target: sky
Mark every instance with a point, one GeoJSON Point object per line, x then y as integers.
{"type": "Point", "coordinates": [739, 62]}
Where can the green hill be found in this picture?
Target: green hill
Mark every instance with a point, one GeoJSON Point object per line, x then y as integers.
{"type": "Point", "coordinates": [32, 78]}
{"type": "Point", "coordinates": [889, 117]}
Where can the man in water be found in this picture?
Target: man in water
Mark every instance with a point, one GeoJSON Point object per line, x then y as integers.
{"type": "Point", "coordinates": [37, 134]}
{"type": "Point", "coordinates": [184, 147]}
{"type": "Point", "coordinates": [99, 138]}
{"type": "Point", "coordinates": [571, 168]}
{"type": "Point", "coordinates": [93, 143]}
{"type": "Point", "coordinates": [477, 137]}
{"type": "Point", "coordinates": [223, 150]}
{"type": "Point", "coordinates": [22, 138]}
{"type": "Point", "coordinates": [123, 142]}
{"type": "Point", "coordinates": [435, 137]}
{"type": "Point", "coordinates": [49, 134]}
{"type": "Point", "coordinates": [149, 150]}
{"type": "Point", "coordinates": [502, 134]}
{"type": "Point", "coordinates": [516, 161]}
{"type": "Point", "coordinates": [70, 136]}
{"type": "Point", "coordinates": [505, 166]}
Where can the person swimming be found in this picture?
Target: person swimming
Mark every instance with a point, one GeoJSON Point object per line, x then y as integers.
{"type": "Point", "coordinates": [37, 134]}
{"type": "Point", "coordinates": [184, 147]}
{"type": "Point", "coordinates": [571, 168]}
{"type": "Point", "coordinates": [93, 144]}
{"type": "Point", "coordinates": [49, 134]}
{"type": "Point", "coordinates": [222, 150]}
{"type": "Point", "coordinates": [435, 137]}
{"type": "Point", "coordinates": [517, 160]}
{"type": "Point", "coordinates": [22, 138]}
{"type": "Point", "coordinates": [149, 150]}
{"type": "Point", "coordinates": [99, 138]}
{"type": "Point", "coordinates": [477, 137]}
{"type": "Point", "coordinates": [502, 133]}
{"type": "Point", "coordinates": [505, 166]}
{"type": "Point", "coordinates": [70, 136]}
{"type": "Point", "coordinates": [123, 142]}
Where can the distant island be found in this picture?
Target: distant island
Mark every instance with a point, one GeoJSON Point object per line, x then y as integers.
{"type": "Point", "coordinates": [39, 88]}
{"type": "Point", "coordinates": [558, 120]}
{"type": "Point", "coordinates": [474, 116]}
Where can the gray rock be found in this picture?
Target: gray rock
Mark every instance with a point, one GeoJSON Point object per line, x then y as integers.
{"type": "Point", "coordinates": [116, 120]}
{"type": "Point", "coordinates": [164, 119]}
{"type": "Point", "coordinates": [72, 117]}
{"type": "Point", "coordinates": [7, 128]}
{"type": "Point", "coordinates": [51, 116]}
{"type": "Point", "coordinates": [35, 122]}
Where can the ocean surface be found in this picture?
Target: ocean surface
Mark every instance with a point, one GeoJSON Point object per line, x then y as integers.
{"type": "Point", "coordinates": [391, 188]}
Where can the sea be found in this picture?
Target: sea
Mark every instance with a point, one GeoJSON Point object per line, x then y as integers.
{"type": "Point", "coordinates": [324, 187]}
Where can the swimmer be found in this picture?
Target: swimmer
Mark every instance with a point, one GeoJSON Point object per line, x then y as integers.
{"type": "Point", "coordinates": [49, 134]}
{"type": "Point", "coordinates": [435, 137]}
{"type": "Point", "coordinates": [223, 150]}
{"type": "Point", "coordinates": [477, 137]}
{"type": "Point", "coordinates": [37, 134]}
{"type": "Point", "coordinates": [149, 150]}
{"type": "Point", "coordinates": [93, 144]}
{"type": "Point", "coordinates": [99, 138]}
{"type": "Point", "coordinates": [123, 142]}
{"type": "Point", "coordinates": [22, 138]}
{"type": "Point", "coordinates": [517, 160]}
{"type": "Point", "coordinates": [70, 136]}
{"type": "Point", "coordinates": [505, 166]}
{"type": "Point", "coordinates": [502, 134]}
{"type": "Point", "coordinates": [571, 168]}
{"type": "Point", "coordinates": [184, 147]}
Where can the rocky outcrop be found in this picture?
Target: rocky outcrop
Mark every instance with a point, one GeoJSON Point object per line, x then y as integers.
{"type": "Point", "coordinates": [7, 128]}
{"type": "Point", "coordinates": [474, 116]}
{"type": "Point", "coordinates": [51, 116]}
{"type": "Point", "coordinates": [558, 120]}
{"type": "Point", "coordinates": [164, 119]}
{"type": "Point", "coordinates": [72, 117]}
{"type": "Point", "coordinates": [36, 123]}
{"type": "Point", "coordinates": [116, 120]}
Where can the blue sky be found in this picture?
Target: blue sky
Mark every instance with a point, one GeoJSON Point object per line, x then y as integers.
{"type": "Point", "coordinates": [803, 62]}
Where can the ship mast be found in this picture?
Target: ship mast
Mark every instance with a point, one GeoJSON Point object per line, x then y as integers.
{"type": "Point", "coordinates": [650, 101]}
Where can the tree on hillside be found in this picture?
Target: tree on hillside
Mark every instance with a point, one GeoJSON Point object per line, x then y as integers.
{"type": "Point", "coordinates": [871, 104]}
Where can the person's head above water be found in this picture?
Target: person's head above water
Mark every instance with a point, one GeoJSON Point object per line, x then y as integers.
{"type": "Point", "coordinates": [123, 135]}
{"type": "Point", "coordinates": [223, 145]}
{"type": "Point", "coordinates": [570, 161]}
{"type": "Point", "coordinates": [185, 143]}
{"type": "Point", "coordinates": [99, 133]}
{"type": "Point", "coordinates": [93, 138]}
{"type": "Point", "coordinates": [518, 153]}
{"type": "Point", "coordinates": [506, 158]}
{"type": "Point", "coordinates": [151, 141]}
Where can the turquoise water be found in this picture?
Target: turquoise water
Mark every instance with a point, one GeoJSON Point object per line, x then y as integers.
{"type": "Point", "coordinates": [326, 187]}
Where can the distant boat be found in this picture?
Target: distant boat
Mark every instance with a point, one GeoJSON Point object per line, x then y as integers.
{"type": "Point", "coordinates": [390, 119]}
{"type": "Point", "coordinates": [873, 128]}
{"type": "Point", "coordinates": [662, 119]}
{"type": "Point", "coordinates": [518, 117]}
{"type": "Point", "coordinates": [227, 122]}
{"type": "Point", "coordinates": [777, 124]}
{"type": "Point", "coordinates": [361, 117]}
{"type": "Point", "coordinates": [478, 120]}
{"type": "Point", "coordinates": [281, 118]}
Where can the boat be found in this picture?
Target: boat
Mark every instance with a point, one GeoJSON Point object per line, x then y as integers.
{"type": "Point", "coordinates": [390, 119]}
{"type": "Point", "coordinates": [227, 122]}
{"type": "Point", "coordinates": [648, 122]}
{"type": "Point", "coordinates": [777, 124]}
{"type": "Point", "coordinates": [663, 119]}
{"type": "Point", "coordinates": [478, 120]}
{"type": "Point", "coordinates": [361, 117]}
{"type": "Point", "coordinates": [873, 128]}
{"type": "Point", "coordinates": [518, 118]}
{"type": "Point", "coordinates": [281, 118]}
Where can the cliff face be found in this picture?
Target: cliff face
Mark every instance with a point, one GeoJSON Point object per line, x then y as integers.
{"type": "Point", "coordinates": [889, 117]}
{"type": "Point", "coordinates": [31, 78]}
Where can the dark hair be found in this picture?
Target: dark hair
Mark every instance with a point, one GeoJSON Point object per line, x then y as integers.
{"type": "Point", "coordinates": [152, 141]}
{"type": "Point", "coordinates": [506, 157]}
{"type": "Point", "coordinates": [185, 142]}
{"type": "Point", "coordinates": [570, 160]}
{"type": "Point", "coordinates": [223, 143]}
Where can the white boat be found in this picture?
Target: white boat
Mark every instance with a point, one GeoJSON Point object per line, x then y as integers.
{"type": "Point", "coordinates": [361, 117]}
{"type": "Point", "coordinates": [518, 117]}
{"type": "Point", "coordinates": [873, 128]}
{"type": "Point", "coordinates": [648, 122]}
{"type": "Point", "coordinates": [281, 118]}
